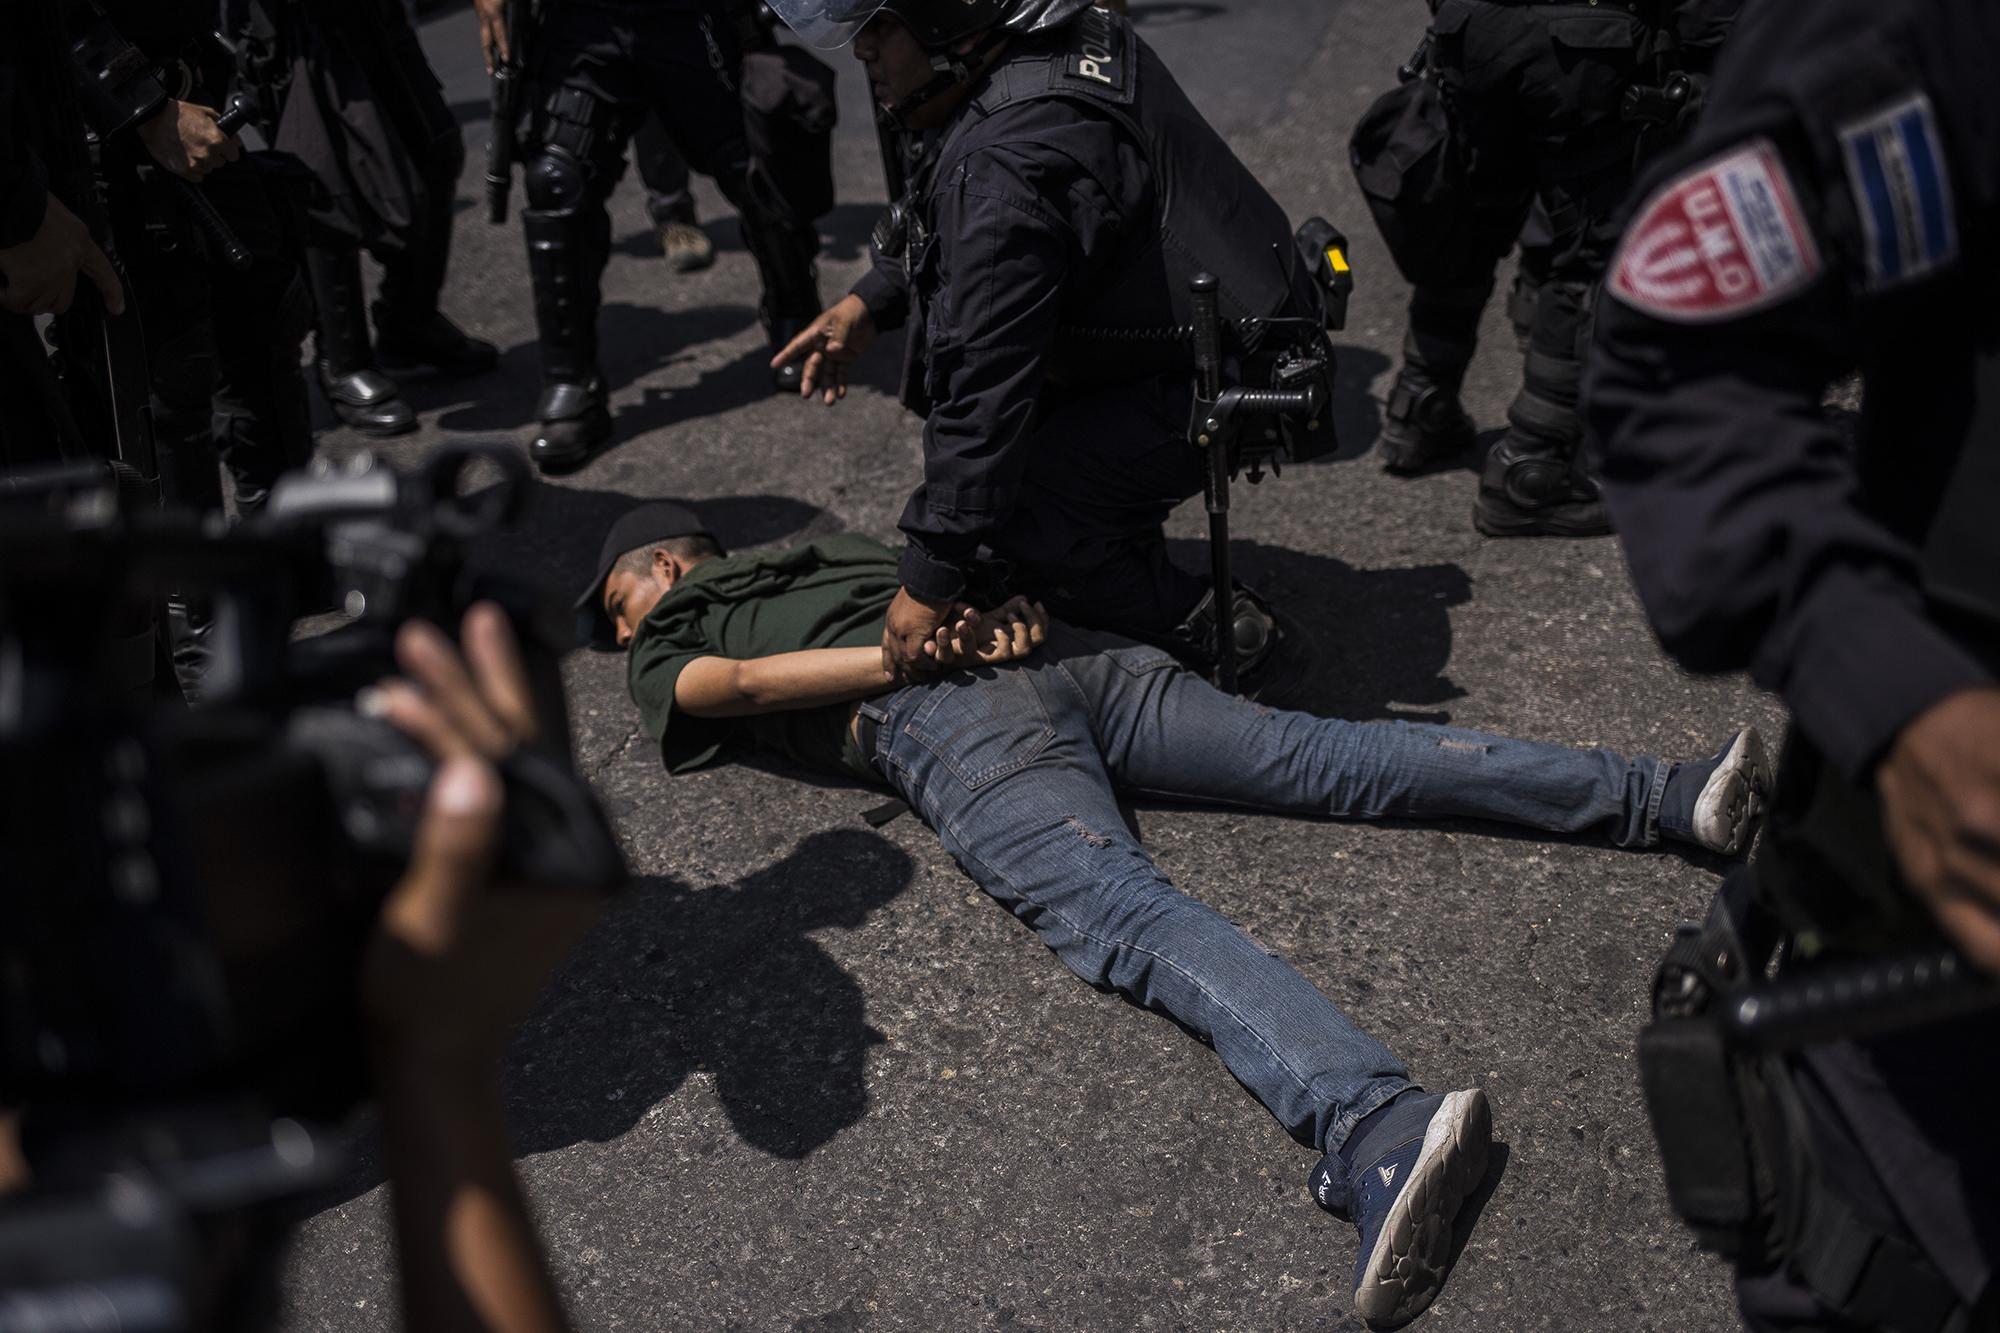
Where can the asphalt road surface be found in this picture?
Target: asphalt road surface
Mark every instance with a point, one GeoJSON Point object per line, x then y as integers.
{"type": "Point", "coordinates": [806, 1076]}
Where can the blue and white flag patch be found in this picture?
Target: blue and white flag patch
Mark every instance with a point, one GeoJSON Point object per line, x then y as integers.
{"type": "Point", "coordinates": [1902, 191]}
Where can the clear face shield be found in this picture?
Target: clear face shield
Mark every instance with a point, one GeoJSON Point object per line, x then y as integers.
{"type": "Point", "coordinates": [826, 24]}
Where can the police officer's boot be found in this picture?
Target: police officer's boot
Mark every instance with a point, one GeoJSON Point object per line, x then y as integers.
{"type": "Point", "coordinates": [1275, 656]}
{"type": "Point", "coordinates": [1533, 484]}
{"type": "Point", "coordinates": [784, 249]}
{"type": "Point", "coordinates": [1424, 421]}
{"type": "Point", "coordinates": [359, 393]}
{"type": "Point", "coordinates": [574, 415]}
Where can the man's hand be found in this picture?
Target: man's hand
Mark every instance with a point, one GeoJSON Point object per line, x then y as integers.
{"type": "Point", "coordinates": [183, 138]}
{"type": "Point", "coordinates": [455, 963]}
{"type": "Point", "coordinates": [1940, 788]}
{"type": "Point", "coordinates": [830, 344]}
{"type": "Point", "coordinates": [493, 32]}
{"type": "Point", "coordinates": [1009, 632]}
{"type": "Point", "coordinates": [909, 630]}
{"type": "Point", "coordinates": [38, 276]}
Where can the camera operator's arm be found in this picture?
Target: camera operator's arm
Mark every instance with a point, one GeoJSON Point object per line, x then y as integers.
{"type": "Point", "coordinates": [453, 967]}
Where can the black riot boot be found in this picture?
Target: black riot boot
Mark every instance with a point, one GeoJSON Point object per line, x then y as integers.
{"type": "Point", "coordinates": [1533, 484]}
{"type": "Point", "coordinates": [1276, 658]}
{"type": "Point", "coordinates": [1423, 421]}
{"type": "Point", "coordinates": [784, 249]}
{"type": "Point", "coordinates": [574, 415]}
{"type": "Point", "coordinates": [359, 393]}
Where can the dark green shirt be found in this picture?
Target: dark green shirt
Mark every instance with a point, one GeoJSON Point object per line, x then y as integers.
{"type": "Point", "coordinates": [831, 594]}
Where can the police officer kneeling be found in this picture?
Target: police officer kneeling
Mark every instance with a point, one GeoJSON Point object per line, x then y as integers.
{"type": "Point", "coordinates": [1839, 208]}
{"type": "Point", "coordinates": [1065, 195]}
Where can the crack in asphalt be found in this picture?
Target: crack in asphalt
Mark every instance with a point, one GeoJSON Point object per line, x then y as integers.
{"type": "Point", "coordinates": [617, 751]}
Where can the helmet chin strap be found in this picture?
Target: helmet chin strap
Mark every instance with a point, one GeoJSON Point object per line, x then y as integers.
{"type": "Point", "coordinates": [953, 71]}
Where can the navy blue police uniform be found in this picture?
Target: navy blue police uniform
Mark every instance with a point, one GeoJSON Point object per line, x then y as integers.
{"type": "Point", "coordinates": [1052, 227]}
{"type": "Point", "coordinates": [1837, 210]}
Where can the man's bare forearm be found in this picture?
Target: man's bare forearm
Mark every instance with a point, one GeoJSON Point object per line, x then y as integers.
{"type": "Point", "coordinates": [725, 687]}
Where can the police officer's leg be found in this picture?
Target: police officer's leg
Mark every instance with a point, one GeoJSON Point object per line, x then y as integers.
{"type": "Point", "coordinates": [414, 338]}
{"type": "Point", "coordinates": [669, 200]}
{"type": "Point", "coordinates": [172, 293]}
{"type": "Point", "coordinates": [578, 139]}
{"type": "Point", "coordinates": [1087, 537]}
{"type": "Point", "coordinates": [1534, 482]}
{"type": "Point", "coordinates": [355, 387]}
{"type": "Point", "coordinates": [1423, 420]}
{"type": "Point", "coordinates": [261, 421]}
{"type": "Point", "coordinates": [1537, 259]}
{"type": "Point", "coordinates": [699, 101]}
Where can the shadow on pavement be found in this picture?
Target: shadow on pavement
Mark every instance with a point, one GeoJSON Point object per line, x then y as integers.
{"type": "Point", "coordinates": [724, 981]}
{"type": "Point", "coordinates": [1384, 635]}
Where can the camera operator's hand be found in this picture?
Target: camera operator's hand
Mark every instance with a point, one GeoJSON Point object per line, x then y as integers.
{"type": "Point", "coordinates": [183, 138]}
{"type": "Point", "coordinates": [1009, 632]}
{"type": "Point", "coordinates": [39, 274]}
{"type": "Point", "coordinates": [493, 32]}
{"type": "Point", "coordinates": [830, 344]}
{"type": "Point", "coordinates": [1940, 789]}
{"type": "Point", "coordinates": [454, 964]}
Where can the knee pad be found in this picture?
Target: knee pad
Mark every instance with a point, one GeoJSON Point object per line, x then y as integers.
{"type": "Point", "coordinates": [556, 181]}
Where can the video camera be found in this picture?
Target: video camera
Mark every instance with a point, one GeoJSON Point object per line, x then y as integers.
{"type": "Point", "coordinates": [188, 889]}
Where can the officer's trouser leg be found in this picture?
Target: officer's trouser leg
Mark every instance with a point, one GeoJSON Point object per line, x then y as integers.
{"type": "Point", "coordinates": [413, 276]}
{"type": "Point", "coordinates": [1423, 420]}
{"type": "Point", "coordinates": [1532, 484]}
{"type": "Point", "coordinates": [261, 421]}
{"type": "Point", "coordinates": [262, 424]}
{"type": "Point", "coordinates": [568, 232]}
{"type": "Point", "coordinates": [702, 112]}
{"type": "Point", "coordinates": [357, 390]}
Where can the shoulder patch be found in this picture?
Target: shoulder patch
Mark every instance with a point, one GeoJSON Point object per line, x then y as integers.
{"type": "Point", "coordinates": [1902, 192]}
{"type": "Point", "coordinates": [1726, 238]}
{"type": "Point", "coordinates": [1099, 53]}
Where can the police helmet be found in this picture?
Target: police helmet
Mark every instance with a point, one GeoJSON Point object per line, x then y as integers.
{"type": "Point", "coordinates": [934, 23]}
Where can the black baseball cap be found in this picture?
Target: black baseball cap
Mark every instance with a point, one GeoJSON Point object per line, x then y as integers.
{"type": "Point", "coordinates": [654, 521]}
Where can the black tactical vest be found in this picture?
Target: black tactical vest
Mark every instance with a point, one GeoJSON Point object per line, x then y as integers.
{"type": "Point", "coordinates": [1134, 318]}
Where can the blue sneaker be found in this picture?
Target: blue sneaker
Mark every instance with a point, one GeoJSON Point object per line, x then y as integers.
{"type": "Point", "coordinates": [1409, 1178]}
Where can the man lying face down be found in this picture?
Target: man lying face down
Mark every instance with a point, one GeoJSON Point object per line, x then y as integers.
{"type": "Point", "coordinates": [1015, 751]}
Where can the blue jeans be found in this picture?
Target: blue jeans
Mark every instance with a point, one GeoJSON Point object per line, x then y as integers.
{"type": "Point", "coordinates": [1017, 769]}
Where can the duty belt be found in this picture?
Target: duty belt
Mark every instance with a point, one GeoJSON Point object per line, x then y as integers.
{"type": "Point", "coordinates": [1737, 1147]}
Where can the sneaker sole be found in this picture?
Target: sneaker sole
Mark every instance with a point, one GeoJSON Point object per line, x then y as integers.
{"type": "Point", "coordinates": [1736, 803]}
{"type": "Point", "coordinates": [1407, 1269]}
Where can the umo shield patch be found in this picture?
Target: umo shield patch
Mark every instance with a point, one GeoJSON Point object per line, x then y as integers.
{"type": "Point", "coordinates": [1725, 239]}
{"type": "Point", "coordinates": [1902, 192]}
